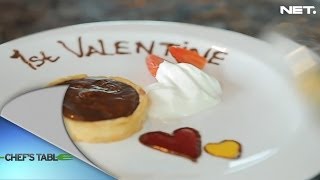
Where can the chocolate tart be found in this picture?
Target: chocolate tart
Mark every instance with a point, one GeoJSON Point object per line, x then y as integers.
{"type": "Point", "coordinates": [102, 109]}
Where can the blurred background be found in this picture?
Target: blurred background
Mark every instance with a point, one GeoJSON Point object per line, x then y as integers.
{"type": "Point", "coordinates": [21, 17]}
{"type": "Point", "coordinates": [250, 17]}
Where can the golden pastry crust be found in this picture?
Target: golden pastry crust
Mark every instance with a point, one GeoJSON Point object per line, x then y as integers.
{"type": "Point", "coordinates": [64, 79]}
{"type": "Point", "coordinates": [112, 129]}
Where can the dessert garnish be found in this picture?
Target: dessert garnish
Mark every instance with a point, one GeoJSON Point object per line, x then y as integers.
{"type": "Point", "coordinates": [182, 89]}
{"type": "Point", "coordinates": [187, 56]}
{"type": "Point", "coordinates": [229, 149]}
{"type": "Point", "coordinates": [181, 55]}
{"type": "Point", "coordinates": [185, 142]}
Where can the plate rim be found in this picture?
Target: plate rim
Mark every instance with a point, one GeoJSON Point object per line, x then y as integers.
{"type": "Point", "coordinates": [130, 22]}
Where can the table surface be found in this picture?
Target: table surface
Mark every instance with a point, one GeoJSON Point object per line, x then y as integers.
{"type": "Point", "coordinates": [22, 17]}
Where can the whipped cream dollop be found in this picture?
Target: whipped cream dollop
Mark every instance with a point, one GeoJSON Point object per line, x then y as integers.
{"type": "Point", "coordinates": [182, 90]}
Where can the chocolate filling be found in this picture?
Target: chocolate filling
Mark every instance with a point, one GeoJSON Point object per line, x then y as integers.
{"type": "Point", "coordinates": [94, 99]}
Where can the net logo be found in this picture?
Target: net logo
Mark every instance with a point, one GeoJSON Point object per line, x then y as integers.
{"type": "Point", "coordinates": [298, 10]}
{"type": "Point", "coordinates": [36, 157]}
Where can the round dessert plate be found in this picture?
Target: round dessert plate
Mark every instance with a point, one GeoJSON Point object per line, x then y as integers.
{"type": "Point", "coordinates": [260, 108]}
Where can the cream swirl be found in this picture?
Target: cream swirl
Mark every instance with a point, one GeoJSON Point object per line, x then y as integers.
{"type": "Point", "coordinates": [182, 90]}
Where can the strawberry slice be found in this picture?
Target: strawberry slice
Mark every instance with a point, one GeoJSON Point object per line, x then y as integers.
{"type": "Point", "coordinates": [187, 56]}
{"type": "Point", "coordinates": [153, 63]}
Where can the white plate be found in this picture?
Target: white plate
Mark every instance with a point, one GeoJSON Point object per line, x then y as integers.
{"type": "Point", "coordinates": [260, 109]}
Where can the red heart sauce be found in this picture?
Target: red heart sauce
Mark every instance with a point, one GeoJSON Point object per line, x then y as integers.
{"type": "Point", "coordinates": [183, 142]}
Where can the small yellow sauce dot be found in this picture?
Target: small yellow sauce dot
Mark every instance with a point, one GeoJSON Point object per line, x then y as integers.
{"type": "Point", "coordinates": [226, 149]}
